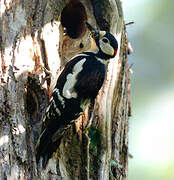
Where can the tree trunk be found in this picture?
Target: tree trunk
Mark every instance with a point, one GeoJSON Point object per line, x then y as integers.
{"type": "Point", "coordinates": [33, 43]}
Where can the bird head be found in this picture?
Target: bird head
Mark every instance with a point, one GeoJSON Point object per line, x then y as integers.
{"type": "Point", "coordinates": [105, 41]}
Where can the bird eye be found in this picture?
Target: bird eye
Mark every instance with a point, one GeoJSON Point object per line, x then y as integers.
{"type": "Point", "coordinates": [105, 40]}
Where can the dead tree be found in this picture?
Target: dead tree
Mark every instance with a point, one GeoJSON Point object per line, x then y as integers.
{"type": "Point", "coordinates": [33, 43]}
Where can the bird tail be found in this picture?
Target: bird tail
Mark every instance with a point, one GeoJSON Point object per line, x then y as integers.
{"type": "Point", "coordinates": [45, 147]}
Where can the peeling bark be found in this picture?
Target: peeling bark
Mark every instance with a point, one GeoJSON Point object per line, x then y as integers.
{"type": "Point", "coordinates": [33, 43]}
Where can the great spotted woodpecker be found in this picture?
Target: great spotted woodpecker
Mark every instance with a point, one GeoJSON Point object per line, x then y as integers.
{"type": "Point", "coordinates": [76, 87]}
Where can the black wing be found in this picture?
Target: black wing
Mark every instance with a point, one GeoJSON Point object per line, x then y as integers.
{"type": "Point", "coordinates": [57, 116]}
{"type": "Point", "coordinates": [61, 111]}
{"type": "Point", "coordinates": [90, 79]}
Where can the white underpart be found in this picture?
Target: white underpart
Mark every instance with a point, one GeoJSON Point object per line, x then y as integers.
{"type": "Point", "coordinates": [71, 79]}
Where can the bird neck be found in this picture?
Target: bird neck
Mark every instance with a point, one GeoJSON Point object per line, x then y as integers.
{"type": "Point", "coordinates": [97, 56]}
{"type": "Point", "coordinates": [102, 55]}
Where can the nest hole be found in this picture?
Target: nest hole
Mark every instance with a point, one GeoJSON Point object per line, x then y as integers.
{"type": "Point", "coordinates": [35, 100]}
{"type": "Point", "coordinates": [32, 104]}
{"type": "Point", "coordinates": [73, 18]}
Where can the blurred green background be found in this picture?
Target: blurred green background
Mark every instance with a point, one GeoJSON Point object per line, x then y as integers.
{"type": "Point", "coordinates": [151, 133]}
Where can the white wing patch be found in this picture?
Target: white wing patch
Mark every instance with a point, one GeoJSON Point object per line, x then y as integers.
{"type": "Point", "coordinates": [52, 102]}
{"type": "Point", "coordinates": [57, 110]}
{"type": "Point", "coordinates": [68, 89]}
{"type": "Point", "coordinates": [60, 98]}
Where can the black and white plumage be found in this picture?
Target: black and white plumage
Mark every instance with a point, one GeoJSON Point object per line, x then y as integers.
{"type": "Point", "coordinates": [77, 85]}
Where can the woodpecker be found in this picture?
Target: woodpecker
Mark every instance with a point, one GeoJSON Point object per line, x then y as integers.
{"type": "Point", "coordinates": [77, 86]}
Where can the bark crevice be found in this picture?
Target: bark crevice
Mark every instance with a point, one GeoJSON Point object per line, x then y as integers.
{"type": "Point", "coordinates": [36, 41]}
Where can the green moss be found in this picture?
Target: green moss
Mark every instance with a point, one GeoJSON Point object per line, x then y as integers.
{"type": "Point", "coordinates": [94, 135]}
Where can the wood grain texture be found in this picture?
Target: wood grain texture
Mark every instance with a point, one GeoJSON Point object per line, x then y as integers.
{"type": "Point", "coordinates": [34, 43]}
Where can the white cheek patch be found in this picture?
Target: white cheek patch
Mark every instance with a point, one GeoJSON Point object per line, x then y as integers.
{"type": "Point", "coordinates": [71, 79]}
{"type": "Point", "coordinates": [106, 48]}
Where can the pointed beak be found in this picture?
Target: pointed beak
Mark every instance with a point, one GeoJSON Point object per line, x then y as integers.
{"type": "Point", "coordinates": [94, 32]}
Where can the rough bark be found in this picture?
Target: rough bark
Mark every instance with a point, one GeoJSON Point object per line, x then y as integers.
{"type": "Point", "coordinates": [33, 44]}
